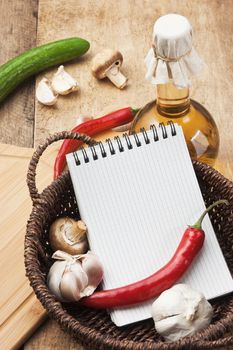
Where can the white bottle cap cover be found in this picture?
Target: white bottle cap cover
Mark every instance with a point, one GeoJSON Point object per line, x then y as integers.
{"type": "Point", "coordinates": [172, 55]}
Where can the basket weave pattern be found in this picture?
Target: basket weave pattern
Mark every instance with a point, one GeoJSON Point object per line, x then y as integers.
{"type": "Point", "coordinates": [93, 328]}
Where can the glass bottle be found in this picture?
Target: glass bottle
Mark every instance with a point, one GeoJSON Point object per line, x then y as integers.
{"type": "Point", "coordinates": [170, 63]}
{"type": "Point", "coordinates": [199, 128]}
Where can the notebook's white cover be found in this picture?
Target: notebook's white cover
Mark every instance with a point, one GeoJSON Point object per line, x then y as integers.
{"type": "Point", "coordinates": [136, 205]}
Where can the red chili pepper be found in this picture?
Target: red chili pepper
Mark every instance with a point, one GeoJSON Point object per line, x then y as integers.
{"type": "Point", "coordinates": [152, 286]}
{"type": "Point", "coordinates": [90, 128]}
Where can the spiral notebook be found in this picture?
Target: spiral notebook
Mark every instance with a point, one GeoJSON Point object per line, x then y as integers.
{"type": "Point", "coordinates": [136, 195]}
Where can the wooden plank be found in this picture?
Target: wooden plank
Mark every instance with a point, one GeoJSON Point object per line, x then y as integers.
{"type": "Point", "coordinates": [20, 312]}
{"type": "Point", "coordinates": [127, 25]}
{"type": "Point", "coordinates": [18, 33]}
{"type": "Point", "coordinates": [29, 315]}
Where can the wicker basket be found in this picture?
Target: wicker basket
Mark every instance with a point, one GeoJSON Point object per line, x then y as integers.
{"type": "Point", "coordinates": [94, 329]}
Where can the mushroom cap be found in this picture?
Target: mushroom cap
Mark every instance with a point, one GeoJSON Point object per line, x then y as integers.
{"type": "Point", "coordinates": [104, 60]}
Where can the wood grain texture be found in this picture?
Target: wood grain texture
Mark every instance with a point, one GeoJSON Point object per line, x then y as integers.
{"type": "Point", "coordinates": [50, 336]}
{"type": "Point", "coordinates": [127, 25]}
{"type": "Point", "coordinates": [18, 33]}
{"type": "Point", "coordinates": [20, 311]}
{"type": "Point", "coordinates": [27, 318]}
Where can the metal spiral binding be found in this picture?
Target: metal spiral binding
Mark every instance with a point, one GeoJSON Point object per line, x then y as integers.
{"type": "Point", "coordinates": [128, 142]}
{"type": "Point", "coordinates": [173, 129]}
{"type": "Point", "coordinates": [102, 149]}
{"type": "Point", "coordinates": [164, 131]}
{"type": "Point", "coordinates": [144, 133]}
{"type": "Point", "coordinates": [137, 141]}
{"type": "Point", "coordinates": [120, 146]}
{"type": "Point", "coordinates": [76, 158]}
{"type": "Point", "coordinates": [110, 145]}
{"type": "Point", "coordinates": [85, 156]}
{"type": "Point", "coordinates": [155, 132]}
{"type": "Point", "coordinates": [93, 151]}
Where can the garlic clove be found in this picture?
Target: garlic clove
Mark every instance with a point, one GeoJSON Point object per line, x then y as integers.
{"type": "Point", "coordinates": [89, 290]}
{"type": "Point", "coordinates": [80, 274]}
{"type": "Point", "coordinates": [94, 270]}
{"type": "Point", "coordinates": [44, 93]}
{"type": "Point", "coordinates": [54, 278]}
{"type": "Point", "coordinates": [63, 83]}
{"type": "Point", "coordinates": [69, 288]}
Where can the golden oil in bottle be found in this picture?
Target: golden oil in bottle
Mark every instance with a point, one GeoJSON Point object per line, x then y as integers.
{"type": "Point", "coordinates": [199, 128]}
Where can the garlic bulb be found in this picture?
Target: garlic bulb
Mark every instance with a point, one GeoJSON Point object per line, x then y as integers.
{"type": "Point", "coordinates": [74, 276]}
{"type": "Point", "coordinates": [181, 311]}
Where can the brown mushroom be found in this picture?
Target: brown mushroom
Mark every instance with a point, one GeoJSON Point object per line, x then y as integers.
{"type": "Point", "coordinates": [68, 235]}
{"type": "Point", "coordinates": [107, 63]}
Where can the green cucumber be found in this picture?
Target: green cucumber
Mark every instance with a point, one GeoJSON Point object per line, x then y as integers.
{"type": "Point", "coordinates": [37, 59]}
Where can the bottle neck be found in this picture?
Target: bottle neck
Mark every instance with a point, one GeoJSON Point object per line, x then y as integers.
{"type": "Point", "coordinates": [172, 102]}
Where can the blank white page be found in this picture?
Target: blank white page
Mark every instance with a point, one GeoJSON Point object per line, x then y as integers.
{"type": "Point", "coordinates": [136, 205]}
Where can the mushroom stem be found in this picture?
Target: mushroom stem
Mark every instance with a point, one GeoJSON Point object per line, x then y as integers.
{"type": "Point", "coordinates": [116, 77]}
{"type": "Point", "coordinates": [75, 234]}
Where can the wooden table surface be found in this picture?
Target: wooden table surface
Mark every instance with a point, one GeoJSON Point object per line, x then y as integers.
{"type": "Point", "coordinates": [126, 25]}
